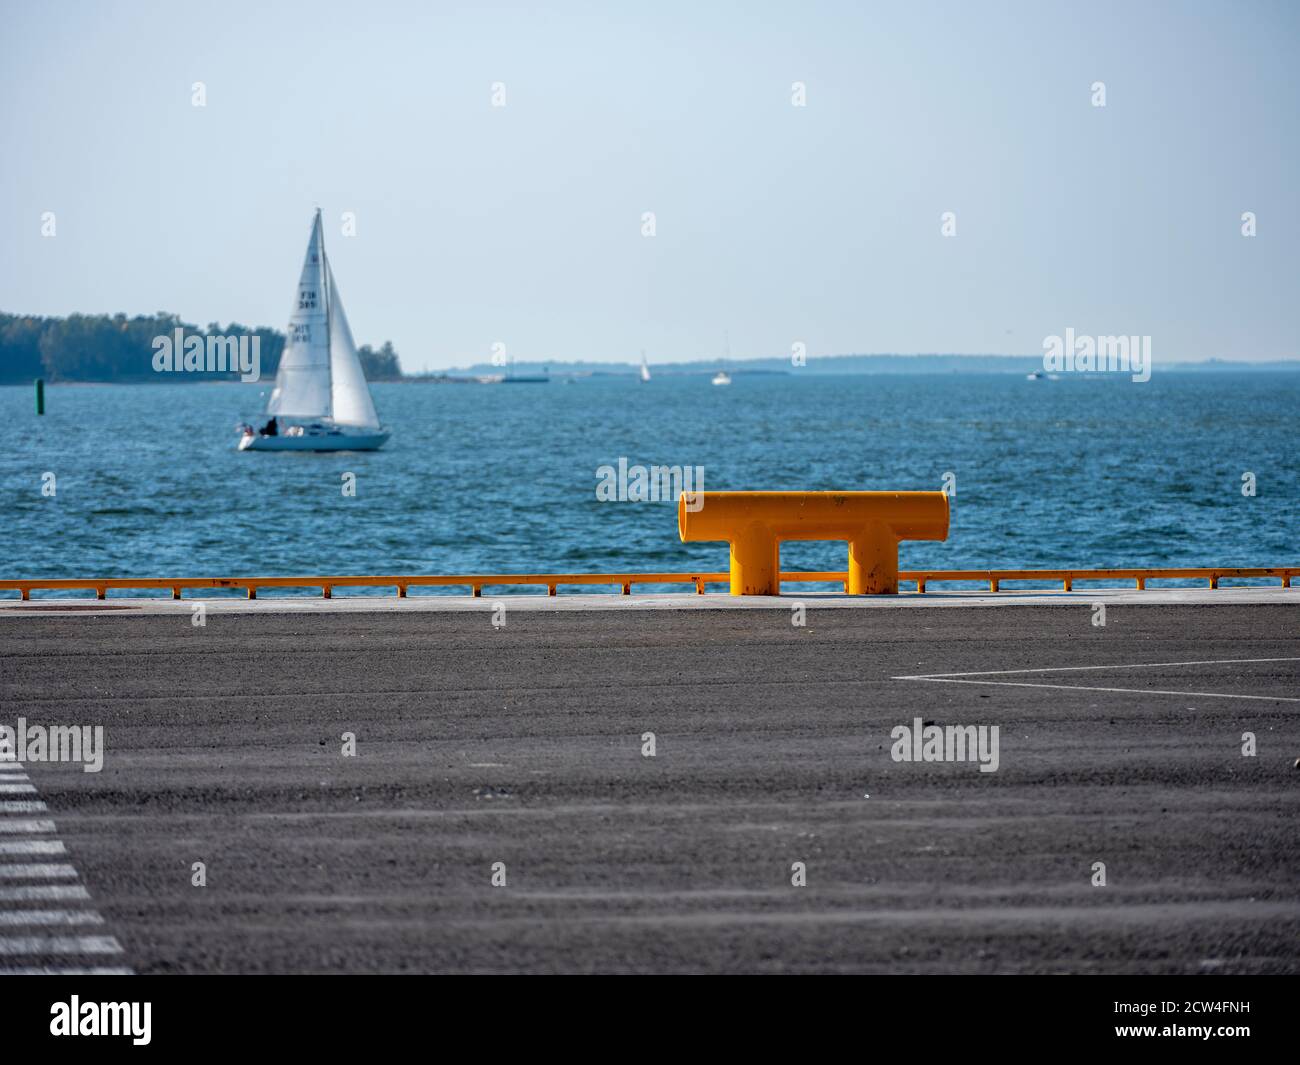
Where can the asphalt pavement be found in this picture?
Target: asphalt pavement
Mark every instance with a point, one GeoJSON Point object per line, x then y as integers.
{"type": "Point", "coordinates": [503, 812]}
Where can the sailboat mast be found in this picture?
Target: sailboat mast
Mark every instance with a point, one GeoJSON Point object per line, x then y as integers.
{"type": "Point", "coordinates": [329, 323]}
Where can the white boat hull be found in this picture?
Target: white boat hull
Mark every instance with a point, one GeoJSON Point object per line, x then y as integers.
{"type": "Point", "coordinates": [357, 441]}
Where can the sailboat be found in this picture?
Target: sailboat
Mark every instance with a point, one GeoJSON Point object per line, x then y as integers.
{"type": "Point", "coordinates": [722, 377]}
{"type": "Point", "coordinates": [645, 370]}
{"type": "Point", "coordinates": [321, 401]}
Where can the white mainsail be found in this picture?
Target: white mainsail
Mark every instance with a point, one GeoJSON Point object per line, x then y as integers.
{"type": "Point", "coordinates": [645, 370]}
{"type": "Point", "coordinates": [320, 373]}
{"type": "Point", "coordinates": [349, 392]}
{"type": "Point", "coordinates": [302, 384]}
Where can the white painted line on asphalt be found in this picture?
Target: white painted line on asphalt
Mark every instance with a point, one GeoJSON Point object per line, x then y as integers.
{"type": "Point", "coordinates": [37, 871]}
{"type": "Point", "coordinates": [1090, 688]}
{"type": "Point", "coordinates": [14, 918]}
{"type": "Point", "coordinates": [32, 846]}
{"type": "Point", "coordinates": [50, 970]}
{"type": "Point", "coordinates": [1127, 665]}
{"type": "Point", "coordinates": [967, 678]}
{"type": "Point", "coordinates": [17, 789]}
{"type": "Point", "coordinates": [25, 825]}
{"type": "Point", "coordinates": [44, 893]}
{"type": "Point", "coordinates": [22, 806]}
{"type": "Point", "coordinates": [13, 945]}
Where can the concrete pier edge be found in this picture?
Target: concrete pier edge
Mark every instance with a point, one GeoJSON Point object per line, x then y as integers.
{"type": "Point", "coordinates": [341, 602]}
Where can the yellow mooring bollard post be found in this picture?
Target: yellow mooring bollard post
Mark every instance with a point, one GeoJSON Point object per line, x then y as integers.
{"type": "Point", "coordinates": [755, 524]}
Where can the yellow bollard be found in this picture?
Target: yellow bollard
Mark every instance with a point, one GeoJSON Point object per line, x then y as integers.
{"type": "Point", "coordinates": [756, 523]}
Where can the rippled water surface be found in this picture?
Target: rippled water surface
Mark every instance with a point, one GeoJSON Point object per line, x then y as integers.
{"type": "Point", "coordinates": [1079, 472]}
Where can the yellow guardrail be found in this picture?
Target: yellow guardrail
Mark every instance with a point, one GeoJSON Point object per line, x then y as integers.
{"type": "Point", "coordinates": [476, 582]}
{"type": "Point", "coordinates": [755, 524]}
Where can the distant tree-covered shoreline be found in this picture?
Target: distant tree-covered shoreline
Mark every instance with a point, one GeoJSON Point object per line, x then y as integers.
{"type": "Point", "coordinates": [114, 348]}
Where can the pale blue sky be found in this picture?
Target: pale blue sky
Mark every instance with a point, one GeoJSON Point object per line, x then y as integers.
{"type": "Point", "coordinates": [776, 224]}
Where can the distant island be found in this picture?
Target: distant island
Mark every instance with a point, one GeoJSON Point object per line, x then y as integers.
{"type": "Point", "coordinates": [101, 348]}
{"type": "Point", "coordinates": [820, 364]}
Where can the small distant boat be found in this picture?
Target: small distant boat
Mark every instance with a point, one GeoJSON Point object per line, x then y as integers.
{"type": "Point", "coordinates": [645, 370]}
{"type": "Point", "coordinates": [321, 401]}
{"type": "Point", "coordinates": [722, 377]}
{"type": "Point", "coordinates": [1037, 375]}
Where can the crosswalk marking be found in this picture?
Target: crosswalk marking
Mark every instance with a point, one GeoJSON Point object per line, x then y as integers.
{"type": "Point", "coordinates": [36, 871]}
{"type": "Point", "coordinates": [28, 902]}
{"type": "Point", "coordinates": [16, 945]}
{"type": "Point", "coordinates": [32, 846]}
{"type": "Point", "coordinates": [54, 970]}
{"type": "Point", "coordinates": [44, 893]}
{"type": "Point", "coordinates": [25, 825]}
{"type": "Point", "coordinates": [22, 806]}
{"type": "Point", "coordinates": [16, 918]}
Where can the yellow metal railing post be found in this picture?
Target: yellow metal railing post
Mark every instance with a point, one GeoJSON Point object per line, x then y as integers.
{"type": "Point", "coordinates": [755, 562]}
{"type": "Point", "coordinates": [873, 561]}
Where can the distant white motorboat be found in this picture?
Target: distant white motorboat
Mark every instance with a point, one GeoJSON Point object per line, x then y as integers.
{"type": "Point", "coordinates": [1037, 375]}
{"type": "Point", "coordinates": [321, 401]}
{"type": "Point", "coordinates": [645, 370]}
{"type": "Point", "coordinates": [722, 378]}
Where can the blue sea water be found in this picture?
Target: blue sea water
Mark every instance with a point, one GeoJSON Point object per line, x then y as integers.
{"type": "Point", "coordinates": [1077, 472]}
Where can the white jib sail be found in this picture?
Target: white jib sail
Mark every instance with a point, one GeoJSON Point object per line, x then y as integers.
{"type": "Point", "coordinates": [351, 395]}
{"type": "Point", "coordinates": [302, 384]}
